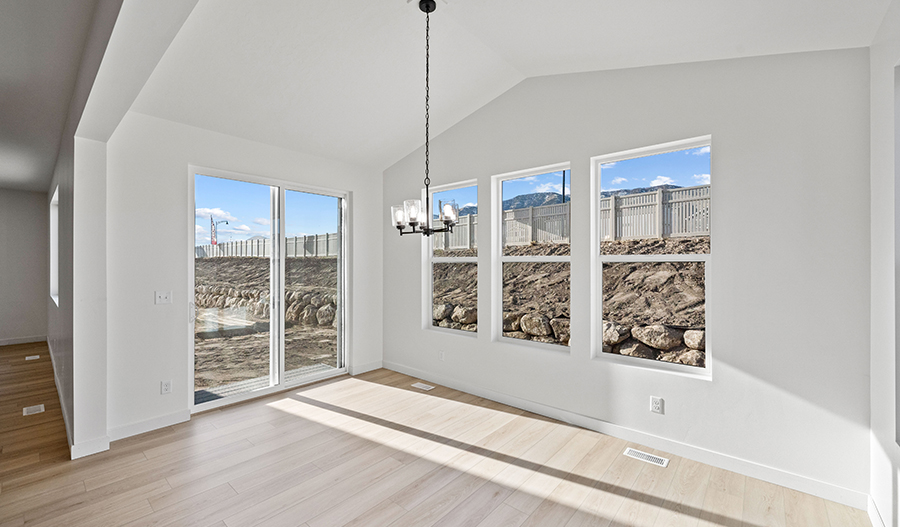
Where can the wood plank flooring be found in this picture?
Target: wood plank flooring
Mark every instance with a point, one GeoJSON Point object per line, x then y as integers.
{"type": "Point", "coordinates": [29, 441]}
{"type": "Point", "coordinates": [372, 451]}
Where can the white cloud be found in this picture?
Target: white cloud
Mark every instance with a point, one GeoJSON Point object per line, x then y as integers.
{"type": "Point", "coordinates": [702, 179]}
{"type": "Point", "coordinates": [468, 205]}
{"type": "Point", "coordinates": [216, 213]}
{"type": "Point", "coordinates": [662, 180]}
{"type": "Point", "coordinates": [198, 229]}
{"type": "Point", "coordinates": [607, 166]}
{"type": "Point", "coordinates": [699, 151]}
{"type": "Point", "coordinates": [243, 228]}
{"type": "Point", "coordinates": [262, 221]}
{"type": "Point", "coordinates": [618, 180]}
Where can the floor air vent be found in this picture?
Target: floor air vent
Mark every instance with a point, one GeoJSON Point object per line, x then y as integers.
{"type": "Point", "coordinates": [33, 357]}
{"type": "Point", "coordinates": [31, 410]}
{"type": "Point", "coordinates": [422, 386]}
{"type": "Point", "coordinates": [649, 458]}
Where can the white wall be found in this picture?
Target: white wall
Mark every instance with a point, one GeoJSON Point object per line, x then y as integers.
{"type": "Point", "coordinates": [148, 224]}
{"type": "Point", "coordinates": [89, 298]}
{"type": "Point", "coordinates": [24, 266]}
{"type": "Point", "coordinates": [885, 453]}
{"type": "Point", "coordinates": [788, 292]}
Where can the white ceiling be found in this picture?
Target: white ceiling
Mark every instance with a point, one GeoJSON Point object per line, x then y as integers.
{"type": "Point", "coordinates": [41, 43]}
{"type": "Point", "coordinates": [344, 79]}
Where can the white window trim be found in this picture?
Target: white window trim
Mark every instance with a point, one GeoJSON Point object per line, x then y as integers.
{"type": "Point", "coordinates": [276, 302]}
{"type": "Point", "coordinates": [498, 259]}
{"type": "Point", "coordinates": [597, 261]}
{"type": "Point", "coordinates": [428, 260]}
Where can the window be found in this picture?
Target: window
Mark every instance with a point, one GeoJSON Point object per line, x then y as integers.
{"type": "Point", "coordinates": [653, 242]}
{"type": "Point", "coordinates": [268, 275]}
{"type": "Point", "coordinates": [532, 218]}
{"type": "Point", "coordinates": [54, 246]}
{"type": "Point", "coordinates": [454, 263]}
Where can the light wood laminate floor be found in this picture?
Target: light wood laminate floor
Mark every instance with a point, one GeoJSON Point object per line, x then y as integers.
{"type": "Point", "coordinates": [373, 451]}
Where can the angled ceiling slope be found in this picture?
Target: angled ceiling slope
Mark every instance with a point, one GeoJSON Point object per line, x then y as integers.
{"type": "Point", "coordinates": [344, 80]}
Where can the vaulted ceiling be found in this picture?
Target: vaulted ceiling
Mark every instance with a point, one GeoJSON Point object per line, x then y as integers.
{"type": "Point", "coordinates": [345, 80]}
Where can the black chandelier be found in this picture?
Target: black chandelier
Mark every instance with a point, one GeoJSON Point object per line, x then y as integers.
{"type": "Point", "coordinates": [411, 218]}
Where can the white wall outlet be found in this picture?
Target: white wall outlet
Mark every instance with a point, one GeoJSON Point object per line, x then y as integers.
{"type": "Point", "coordinates": [163, 297]}
{"type": "Point", "coordinates": [165, 387]}
{"type": "Point", "coordinates": [442, 355]}
{"type": "Point", "coordinates": [657, 405]}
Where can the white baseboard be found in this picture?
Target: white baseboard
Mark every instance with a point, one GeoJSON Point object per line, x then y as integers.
{"type": "Point", "coordinates": [874, 515]}
{"type": "Point", "coordinates": [363, 368]}
{"type": "Point", "coordinates": [62, 404]}
{"type": "Point", "coordinates": [824, 490]}
{"type": "Point", "coordinates": [23, 340]}
{"type": "Point", "coordinates": [86, 448]}
{"type": "Point", "coordinates": [133, 429]}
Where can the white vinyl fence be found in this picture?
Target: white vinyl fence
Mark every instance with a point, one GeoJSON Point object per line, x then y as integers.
{"type": "Point", "coordinates": [462, 237]}
{"type": "Point", "coordinates": [658, 214]}
{"type": "Point", "coordinates": [297, 247]}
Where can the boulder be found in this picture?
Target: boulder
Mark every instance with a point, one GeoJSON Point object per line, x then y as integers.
{"type": "Point", "coordinates": [560, 328]}
{"type": "Point", "coordinates": [634, 348]}
{"type": "Point", "coordinates": [444, 323]}
{"type": "Point", "coordinates": [308, 315]}
{"type": "Point", "coordinates": [658, 336]}
{"type": "Point", "coordinates": [455, 325]}
{"type": "Point", "coordinates": [614, 333]}
{"type": "Point", "coordinates": [695, 339]}
{"type": "Point", "coordinates": [684, 355]}
{"type": "Point", "coordinates": [325, 315]}
{"type": "Point", "coordinates": [465, 315]}
{"type": "Point", "coordinates": [441, 311]}
{"type": "Point", "coordinates": [317, 301]}
{"type": "Point", "coordinates": [293, 311]}
{"type": "Point", "coordinates": [548, 340]}
{"type": "Point", "coordinates": [536, 324]}
{"type": "Point", "coordinates": [470, 327]}
{"type": "Point", "coordinates": [511, 321]}
{"type": "Point", "coordinates": [516, 335]}
{"type": "Point", "coordinates": [610, 349]}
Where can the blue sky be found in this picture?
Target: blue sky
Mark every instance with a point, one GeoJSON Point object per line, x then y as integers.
{"type": "Point", "coordinates": [684, 168]}
{"type": "Point", "coordinates": [549, 182]}
{"type": "Point", "coordinates": [246, 208]}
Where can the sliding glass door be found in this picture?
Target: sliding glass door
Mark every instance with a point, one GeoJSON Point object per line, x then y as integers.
{"type": "Point", "coordinates": [312, 293]}
{"type": "Point", "coordinates": [268, 271]}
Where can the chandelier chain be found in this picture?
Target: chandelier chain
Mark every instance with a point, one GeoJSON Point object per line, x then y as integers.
{"type": "Point", "coordinates": [427, 106]}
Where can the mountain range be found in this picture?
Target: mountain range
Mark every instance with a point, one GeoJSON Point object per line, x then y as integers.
{"type": "Point", "coordinates": [538, 199]}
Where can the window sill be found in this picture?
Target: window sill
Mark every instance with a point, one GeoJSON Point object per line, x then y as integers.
{"type": "Point", "coordinates": [683, 370]}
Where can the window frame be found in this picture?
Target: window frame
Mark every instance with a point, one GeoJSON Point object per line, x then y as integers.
{"type": "Point", "coordinates": [598, 259]}
{"type": "Point", "coordinates": [498, 258]}
{"type": "Point", "coordinates": [276, 349]}
{"type": "Point", "coordinates": [428, 261]}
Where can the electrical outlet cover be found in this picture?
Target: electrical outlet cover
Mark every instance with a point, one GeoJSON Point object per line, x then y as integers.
{"type": "Point", "coordinates": [657, 405]}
